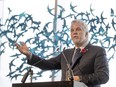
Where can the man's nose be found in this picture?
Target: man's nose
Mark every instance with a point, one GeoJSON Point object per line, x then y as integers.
{"type": "Point", "coordinates": [75, 32]}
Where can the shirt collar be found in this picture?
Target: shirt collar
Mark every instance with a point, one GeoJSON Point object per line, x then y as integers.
{"type": "Point", "coordinates": [83, 46]}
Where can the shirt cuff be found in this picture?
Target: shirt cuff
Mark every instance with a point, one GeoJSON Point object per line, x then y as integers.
{"type": "Point", "coordinates": [30, 56]}
{"type": "Point", "coordinates": [80, 78]}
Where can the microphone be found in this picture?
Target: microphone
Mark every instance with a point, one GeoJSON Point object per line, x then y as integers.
{"type": "Point", "coordinates": [70, 71]}
{"type": "Point", "coordinates": [30, 71]}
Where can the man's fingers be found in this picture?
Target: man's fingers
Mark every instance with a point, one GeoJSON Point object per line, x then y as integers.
{"type": "Point", "coordinates": [23, 44]}
{"type": "Point", "coordinates": [17, 45]}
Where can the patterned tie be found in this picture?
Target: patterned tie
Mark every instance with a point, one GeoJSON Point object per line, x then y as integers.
{"type": "Point", "coordinates": [77, 55]}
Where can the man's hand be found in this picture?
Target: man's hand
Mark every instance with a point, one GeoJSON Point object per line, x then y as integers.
{"type": "Point", "coordinates": [76, 78]}
{"type": "Point", "coordinates": [23, 49]}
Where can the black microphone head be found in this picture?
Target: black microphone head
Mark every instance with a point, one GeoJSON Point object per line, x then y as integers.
{"type": "Point", "coordinates": [57, 49]}
{"type": "Point", "coordinates": [64, 48]}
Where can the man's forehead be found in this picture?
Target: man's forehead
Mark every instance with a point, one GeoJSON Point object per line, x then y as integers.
{"type": "Point", "coordinates": [76, 25]}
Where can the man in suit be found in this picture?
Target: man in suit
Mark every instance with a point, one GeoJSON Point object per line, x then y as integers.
{"type": "Point", "coordinates": [90, 67]}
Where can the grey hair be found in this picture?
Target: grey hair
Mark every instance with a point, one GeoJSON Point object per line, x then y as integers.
{"type": "Point", "coordinates": [84, 25]}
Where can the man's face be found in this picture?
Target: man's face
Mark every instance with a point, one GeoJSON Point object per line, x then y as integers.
{"type": "Point", "coordinates": [78, 35]}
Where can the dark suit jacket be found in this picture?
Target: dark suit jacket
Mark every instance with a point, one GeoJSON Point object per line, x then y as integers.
{"type": "Point", "coordinates": [92, 66]}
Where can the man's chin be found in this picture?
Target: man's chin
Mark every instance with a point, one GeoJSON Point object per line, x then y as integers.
{"type": "Point", "coordinates": [76, 42]}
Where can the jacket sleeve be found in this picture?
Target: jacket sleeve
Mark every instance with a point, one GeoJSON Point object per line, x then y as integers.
{"type": "Point", "coordinates": [44, 64]}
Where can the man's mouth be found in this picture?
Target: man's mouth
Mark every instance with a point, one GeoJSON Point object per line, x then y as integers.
{"type": "Point", "coordinates": [75, 36]}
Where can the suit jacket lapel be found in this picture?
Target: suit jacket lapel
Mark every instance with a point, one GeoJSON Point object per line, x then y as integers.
{"type": "Point", "coordinates": [77, 60]}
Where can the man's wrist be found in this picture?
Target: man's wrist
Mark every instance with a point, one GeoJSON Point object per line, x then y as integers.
{"type": "Point", "coordinates": [29, 54]}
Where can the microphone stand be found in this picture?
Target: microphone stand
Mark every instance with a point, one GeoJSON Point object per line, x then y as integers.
{"type": "Point", "coordinates": [31, 75]}
{"type": "Point", "coordinates": [26, 75]}
{"type": "Point", "coordinates": [70, 72]}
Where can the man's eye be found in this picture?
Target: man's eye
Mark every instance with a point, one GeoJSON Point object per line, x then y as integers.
{"type": "Point", "coordinates": [72, 30]}
{"type": "Point", "coordinates": [78, 29]}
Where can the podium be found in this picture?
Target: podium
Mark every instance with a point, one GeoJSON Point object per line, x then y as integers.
{"type": "Point", "coordinates": [51, 84]}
